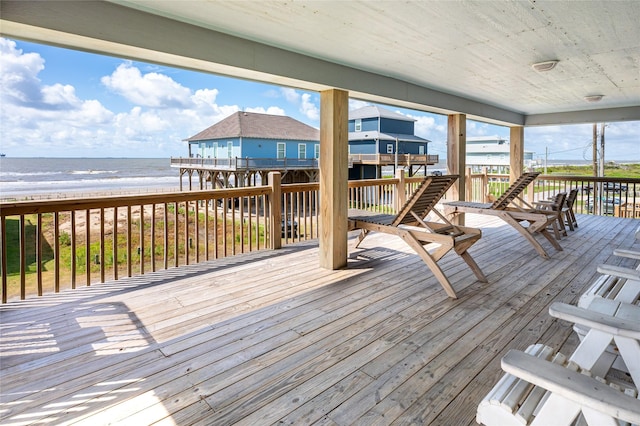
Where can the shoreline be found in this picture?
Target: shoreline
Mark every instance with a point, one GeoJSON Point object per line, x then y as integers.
{"type": "Point", "coordinates": [60, 195]}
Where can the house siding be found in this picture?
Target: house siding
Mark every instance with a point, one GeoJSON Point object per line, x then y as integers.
{"type": "Point", "coordinates": [362, 147]}
{"type": "Point", "coordinates": [388, 125]}
{"type": "Point", "coordinates": [368, 125]}
{"type": "Point", "coordinates": [252, 148]}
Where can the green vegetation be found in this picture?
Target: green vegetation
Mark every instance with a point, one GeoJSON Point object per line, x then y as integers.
{"type": "Point", "coordinates": [610, 170]}
{"type": "Point", "coordinates": [233, 237]}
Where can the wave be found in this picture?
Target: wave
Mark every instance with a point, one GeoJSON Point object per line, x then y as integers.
{"type": "Point", "coordinates": [87, 185]}
{"type": "Point", "coordinates": [4, 175]}
{"type": "Point", "coordinates": [92, 172]}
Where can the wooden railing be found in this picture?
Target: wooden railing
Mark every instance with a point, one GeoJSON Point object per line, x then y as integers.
{"type": "Point", "coordinates": [51, 245]}
{"type": "Point", "coordinates": [237, 163]}
{"type": "Point", "coordinates": [402, 159]}
{"type": "Point", "coordinates": [596, 195]}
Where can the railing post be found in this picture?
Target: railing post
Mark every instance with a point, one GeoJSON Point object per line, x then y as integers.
{"type": "Point", "coordinates": [468, 184]}
{"type": "Point", "coordinates": [275, 213]}
{"type": "Point", "coordinates": [401, 191]}
{"type": "Point", "coordinates": [485, 185]}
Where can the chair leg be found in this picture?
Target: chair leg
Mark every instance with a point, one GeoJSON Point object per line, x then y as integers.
{"type": "Point", "coordinates": [363, 233]}
{"type": "Point", "coordinates": [563, 229]}
{"type": "Point", "coordinates": [556, 229]}
{"type": "Point", "coordinates": [566, 214]}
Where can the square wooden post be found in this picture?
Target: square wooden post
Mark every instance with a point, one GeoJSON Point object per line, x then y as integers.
{"type": "Point", "coordinates": [275, 211]}
{"type": "Point", "coordinates": [334, 168]}
{"type": "Point", "coordinates": [401, 192]}
{"type": "Point", "coordinates": [457, 158]}
{"type": "Point", "coordinates": [516, 152]}
{"type": "Point", "coordinates": [516, 158]}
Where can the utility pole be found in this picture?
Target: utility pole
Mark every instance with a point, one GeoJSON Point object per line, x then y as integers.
{"type": "Point", "coordinates": [395, 170]}
{"type": "Point", "coordinates": [602, 126]}
{"type": "Point", "coordinates": [595, 149]}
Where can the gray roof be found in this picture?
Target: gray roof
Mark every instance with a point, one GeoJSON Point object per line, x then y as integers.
{"type": "Point", "coordinates": [255, 125]}
{"type": "Point", "coordinates": [371, 135]}
{"type": "Point", "coordinates": [372, 111]}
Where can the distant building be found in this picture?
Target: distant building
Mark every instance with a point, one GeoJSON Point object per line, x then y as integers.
{"type": "Point", "coordinates": [243, 148]}
{"type": "Point", "coordinates": [379, 137]}
{"type": "Point", "coordinates": [492, 153]}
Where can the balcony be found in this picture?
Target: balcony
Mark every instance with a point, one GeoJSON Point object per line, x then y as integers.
{"type": "Point", "coordinates": [216, 327]}
{"type": "Point", "coordinates": [390, 159]}
{"type": "Point", "coordinates": [245, 164]}
{"type": "Point", "coordinates": [268, 336]}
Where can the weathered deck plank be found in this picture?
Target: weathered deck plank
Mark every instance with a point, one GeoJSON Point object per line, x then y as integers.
{"type": "Point", "coordinates": [270, 337]}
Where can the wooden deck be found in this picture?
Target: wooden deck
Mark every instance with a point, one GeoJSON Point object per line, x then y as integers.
{"type": "Point", "coordinates": [271, 338]}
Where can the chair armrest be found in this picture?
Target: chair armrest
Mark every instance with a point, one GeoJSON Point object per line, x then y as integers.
{"type": "Point", "coordinates": [627, 253]}
{"type": "Point", "coordinates": [577, 387]}
{"type": "Point", "coordinates": [598, 320]}
{"type": "Point", "coordinates": [619, 271]}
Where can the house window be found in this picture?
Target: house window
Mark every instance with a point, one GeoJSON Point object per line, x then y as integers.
{"type": "Point", "coordinates": [316, 150]}
{"type": "Point", "coordinates": [302, 150]}
{"type": "Point", "coordinates": [280, 150]}
{"type": "Point", "coordinates": [389, 148]}
{"type": "Point", "coordinates": [358, 125]}
{"type": "Point", "coordinates": [230, 149]}
{"type": "Point", "coordinates": [421, 150]}
{"type": "Point", "coordinates": [215, 149]}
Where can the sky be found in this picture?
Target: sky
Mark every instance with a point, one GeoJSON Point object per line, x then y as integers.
{"type": "Point", "coordinates": [58, 102]}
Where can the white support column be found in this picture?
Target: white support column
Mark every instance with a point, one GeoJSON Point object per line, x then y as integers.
{"type": "Point", "coordinates": [334, 168]}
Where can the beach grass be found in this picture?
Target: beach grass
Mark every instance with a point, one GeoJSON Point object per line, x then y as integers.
{"type": "Point", "coordinates": [96, 258]}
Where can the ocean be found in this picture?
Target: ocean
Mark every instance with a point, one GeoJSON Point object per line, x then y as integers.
{"type": "Point", "coordinates": [36, 178]}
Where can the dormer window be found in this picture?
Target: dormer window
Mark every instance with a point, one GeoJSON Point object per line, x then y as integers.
{"type": "Point", "coordinates": [358, 125]}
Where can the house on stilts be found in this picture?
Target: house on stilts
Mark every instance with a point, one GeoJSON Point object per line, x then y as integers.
{"type": "Point", "coordinates": [243, 148]}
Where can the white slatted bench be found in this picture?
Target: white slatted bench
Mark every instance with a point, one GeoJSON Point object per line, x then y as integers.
{"type": "Point", "coordinates": [617, 284]}
{"type": "Point", "coordinates": [543, 388]}
{"type": "Point", "coordinates": [613, 285]}
{"type": "Point", "coordinates": [610, 335]}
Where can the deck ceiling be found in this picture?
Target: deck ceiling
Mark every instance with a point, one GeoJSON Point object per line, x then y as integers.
{"type": "Point", "coordinates": [472, 57]}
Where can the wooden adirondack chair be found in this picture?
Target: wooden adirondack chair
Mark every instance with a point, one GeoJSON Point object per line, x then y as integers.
{"type": "Point", "coordinates": [537, 221]}
{"type": "Point", "coordinates": [411, 225]}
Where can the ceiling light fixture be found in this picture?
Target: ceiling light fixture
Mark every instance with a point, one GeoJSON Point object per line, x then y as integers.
{"type": "Point", "coordinates": [593, 98]}
{"type": "Point", "coordinates": [545, 66]}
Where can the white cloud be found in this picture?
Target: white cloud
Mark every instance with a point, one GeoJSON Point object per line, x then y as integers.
{"type": "Point", "coordinates": [151, 89]}
{"type": "Point", "coordinates": [357, 104]}
{"type": "Point", "coordinates": [18, 75]}
{"type": "Point", "coordinates": [291, 95]}
{"type": "Point", "coordinates": [41, 119]}
{"type": "Point", "coordinates": [273, 110]}
{"type": "Point", "coordinates": [308, 108]}
{"type": "Point", "coordinates": [304, 102]}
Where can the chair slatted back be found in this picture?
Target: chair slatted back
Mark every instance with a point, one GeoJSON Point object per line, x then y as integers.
{"type": "Point", "coordinates": [424, 199]}
{"type": "Point", "coordinates": [571, 198]}
{"type": "Point", "coordinates": [514, 190]}
{"type": "Point", "coordinates": [559, 200]}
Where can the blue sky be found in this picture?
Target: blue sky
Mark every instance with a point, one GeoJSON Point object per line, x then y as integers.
{"type": "Point", "coordinates": [63, 103]}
